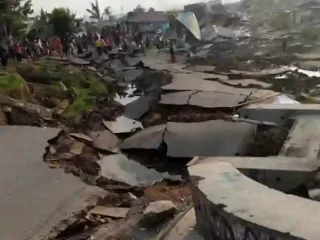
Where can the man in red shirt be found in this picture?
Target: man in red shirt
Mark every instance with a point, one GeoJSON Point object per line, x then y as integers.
{"type": "Point", "coordinates": [17, 51]}
{"type": "Point", "coordinates": [58, 45]}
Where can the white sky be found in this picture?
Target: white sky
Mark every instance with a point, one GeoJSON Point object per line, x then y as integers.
{"type": "Point", "coordinates": [117, 6]}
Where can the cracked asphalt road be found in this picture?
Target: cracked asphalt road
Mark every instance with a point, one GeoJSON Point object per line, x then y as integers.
{"type": "Point", "coordinates": [35, 198]}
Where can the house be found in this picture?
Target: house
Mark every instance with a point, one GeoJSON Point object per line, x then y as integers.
{"type": "Point", "coordinates": [307, 11]}
{"type": "Point", "coordinates": [147, 21]}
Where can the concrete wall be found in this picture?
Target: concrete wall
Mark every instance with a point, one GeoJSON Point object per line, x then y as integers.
{"type": "Point", "coordinates": [231, 206]}
{"type": "Point", "coordinates": [213, 223]}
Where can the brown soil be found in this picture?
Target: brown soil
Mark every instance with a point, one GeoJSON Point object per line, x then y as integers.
{"type": "Point", "coordinates": [162, 191]}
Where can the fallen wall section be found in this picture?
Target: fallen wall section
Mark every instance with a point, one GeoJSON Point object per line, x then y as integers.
{"type": "Point", "coordinates": [229, 205]}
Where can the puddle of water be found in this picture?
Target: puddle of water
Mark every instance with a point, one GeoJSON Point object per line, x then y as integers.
{"type": "Point", "coordinates": [307, 72]}
{"type": "Point", "coordinates": [128, 97]}
{"type": "Point", "coordinates": [282, 77]}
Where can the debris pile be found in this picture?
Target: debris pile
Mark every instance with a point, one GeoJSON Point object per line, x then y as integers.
{"type": "Point", "coordinates": [130, 124]}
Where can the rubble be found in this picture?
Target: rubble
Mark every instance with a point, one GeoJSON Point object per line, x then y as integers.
{"type": "Point", "coordinates": [123, 125]}
{"type": "Point", "coordinates": [109, 212]}
{"type": "Point", "coordinates": [192, 139]}
{"type": "Point", "coordinates": [229, 98]}
{"type": "Point", "coordinates": [119, 168]}
{"type": "Point", "coordinates": [202, 99]}
{"type": "Point", "coordinates": [104, 140]}
{"type": "Point", "coordinates": [157, 212]}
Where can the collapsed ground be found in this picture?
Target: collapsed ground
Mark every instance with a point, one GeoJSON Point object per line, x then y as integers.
{"type": "Point", "coordinates": [85, 101]}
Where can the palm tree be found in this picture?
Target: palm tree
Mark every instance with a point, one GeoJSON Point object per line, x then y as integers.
{"type": "Point", "coordinates": [95, 12]}
{"type": "Point", "coordinates": [108, 12]}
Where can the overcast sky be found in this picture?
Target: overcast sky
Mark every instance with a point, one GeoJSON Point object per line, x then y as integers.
{"type": "Point", "coordinates": [117, 6]}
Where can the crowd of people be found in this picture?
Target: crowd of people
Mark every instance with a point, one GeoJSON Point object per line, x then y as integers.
{"type": "Point", "coordinates": [104, 43]}
{"type": "Point", "coordinates": [31, 50]}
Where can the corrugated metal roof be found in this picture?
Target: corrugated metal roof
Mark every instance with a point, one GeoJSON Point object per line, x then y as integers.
{"type": "Point", "coordinates": [189, 20]}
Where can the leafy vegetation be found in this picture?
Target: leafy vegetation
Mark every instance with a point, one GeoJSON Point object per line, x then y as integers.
{"type": "Point", "coordinates": [66, 82]}
{"type": "Point", "coordinates": [63, 22]}
{"type": "Point", "coordinates": [281, 21]}
{"type": "Point", "coordinates": [139, 9]}
{"type": "Point", "coordinates": [96, 13]}
{"type": "Point", "coordinates": [13, 15]}
{"type": "Point", "coordinates": [309, 34]}
{"type": "Point", "coordinates": [13, 85]}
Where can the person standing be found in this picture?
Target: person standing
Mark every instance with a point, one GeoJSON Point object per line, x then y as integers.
{"type": "Point", "coordinates": [58, 47]}
{"type": "Point", "coordinates": [284, 45]}
{"type": "Point", "coordinates": [172, 53]}
{"type": "Point", "coordinates": [4, 56]}
{"type": "Point", "coordinates": [17, 51]}
{"type": "Point", "coordinates": [99, 46]}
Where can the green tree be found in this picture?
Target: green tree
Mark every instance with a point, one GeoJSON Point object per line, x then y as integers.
{"type": "Point", "coordinates": [139, 9]}
{"type": "Point", "coordinates": [64, 23]}
{"type": "Point", "coordinates": [41, 24]}
{"type": "Point", "coordinates": [13, 15]}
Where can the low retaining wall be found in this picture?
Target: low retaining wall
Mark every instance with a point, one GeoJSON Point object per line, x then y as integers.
{"type": "Point", "coordinates": [230, 206]}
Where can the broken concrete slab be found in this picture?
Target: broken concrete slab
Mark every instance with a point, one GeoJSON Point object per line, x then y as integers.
{"type": "Point", "coordinates": [211, 138]}
{"type": "Point", "coordinates": [31, 190]}
{"type": "Point", "coordinates": [177, 98]}
{"type": "Point", "coordinates": [158, 211]}
{"type": "Point", "coordinates": [246, 83]}
{"type": "Point", "coordinates": [116, 65]}
{"type": "Point", "coordinates": [123, 124]}
{"type": "Point", "coordinates": [137, 108]}
{"type": "Point", "coordinates": [160, 65]}
{"type": "Point", "coordinates": [77, 147]}
{"type": "Point", "coordinates": [277, 112]}
{"type": "Point", "coordinates": [113, 212]}
{"type": "Point", "coordinates": [129, 75]}
{"type": "Point", "coordinates": [278, 172]}
{"type": "Point", "coordinates": [125, 100]}
{"type": "Point", "coordinates": [132, 61]}
{"type": "Point", "coordinates": [303, 140]}
{"type": "Point", "coordinates": [104, 140]}
{"type": "Point", "coordinates": [259, 74]}
{"type": "Point", "coordinates": [310, 65]}
{"type": "Point", "coordinates": [121, 169]}
{"type": "Point", "coordinates": [187, 82]}
{"type": "Point", "coordinates": [202, 99]}
{"type": "Point", "coordinates": [228, 204]}
{"type": "Point", "coordinates": [202, 68]}
{"type": "Point", "coordinates": [308, 56]}
{"type": "Point", "coordinates": [81, 137]}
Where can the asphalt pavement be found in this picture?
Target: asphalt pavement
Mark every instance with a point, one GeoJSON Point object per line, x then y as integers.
{"type": "Point", "coordinates": [34, 198]}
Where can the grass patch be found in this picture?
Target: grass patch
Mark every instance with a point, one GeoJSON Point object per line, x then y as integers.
{"type": "Point", "coordinates": [82, 86]}
{"type": "Point", "coordinates": [13, 85]}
